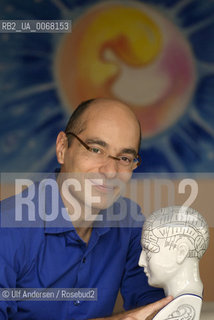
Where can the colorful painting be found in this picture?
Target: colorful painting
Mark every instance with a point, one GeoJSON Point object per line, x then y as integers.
{"type": "Point", "coordinates": [157, 56]}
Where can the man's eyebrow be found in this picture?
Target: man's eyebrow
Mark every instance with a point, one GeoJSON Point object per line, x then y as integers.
{"type": "Point", "coordinates": [129, 151]}
{"type": "Point", "coordinates": [97, 141]}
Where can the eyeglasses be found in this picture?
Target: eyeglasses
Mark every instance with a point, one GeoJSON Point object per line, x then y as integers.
{"type": "Point", "coordinates": [130, 161]}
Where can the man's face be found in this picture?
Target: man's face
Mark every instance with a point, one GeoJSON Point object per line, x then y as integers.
{"type": "Point", "coordinates": [113, 131]}
{"type": "Point", "coordinates": [158, 260]}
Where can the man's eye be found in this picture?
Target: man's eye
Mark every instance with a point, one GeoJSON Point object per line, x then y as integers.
{"type": "Point", "coordinates": [125, 159]}
{"type": "Point", "coordinates": [96, 150]}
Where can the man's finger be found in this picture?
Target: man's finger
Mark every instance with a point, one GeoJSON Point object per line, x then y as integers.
{"type": "Point", "coordinates": [153, 308]}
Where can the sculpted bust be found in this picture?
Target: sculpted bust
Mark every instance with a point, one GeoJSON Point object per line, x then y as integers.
{"type": "Point", "coordinates": [173, 241]}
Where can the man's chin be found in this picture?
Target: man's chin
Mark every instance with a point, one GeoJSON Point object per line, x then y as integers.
{"type": "Point", "coordinates": [105, 201]}
{"type": "Point", "coordinates": [105, 196]}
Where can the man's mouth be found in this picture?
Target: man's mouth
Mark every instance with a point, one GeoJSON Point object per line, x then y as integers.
{"type": "Point", "coordinates": [102, 187]}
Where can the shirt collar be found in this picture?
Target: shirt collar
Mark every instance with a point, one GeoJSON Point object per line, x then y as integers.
{"type": "Point", "coordinates": [54, 207]}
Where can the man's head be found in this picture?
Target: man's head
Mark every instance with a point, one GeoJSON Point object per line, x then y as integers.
{"type": "Point", "coordinates": [76, 122]}
{"type": "Point", "coordinates": [170, 236]}
{"type": "Point", "coordinates": [108, 127]}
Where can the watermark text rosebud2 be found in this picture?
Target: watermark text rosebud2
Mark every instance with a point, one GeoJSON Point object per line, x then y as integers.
{"type": "Point", "coordinates": [42, 200]}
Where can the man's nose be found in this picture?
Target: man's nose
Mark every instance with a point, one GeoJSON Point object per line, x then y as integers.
{"type": "Point", "coordinates": [109, 168]}
{"type": "Point", "coordinates": [142, 260]}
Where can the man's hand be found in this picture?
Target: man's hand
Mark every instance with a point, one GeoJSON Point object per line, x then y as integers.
{"type": "Point", "coordinates": [147, 312]}
{"type": "Point", "coordinates": [142, 313]}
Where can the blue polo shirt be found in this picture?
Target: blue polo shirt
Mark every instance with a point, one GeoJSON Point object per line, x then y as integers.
{"type": "Point", "coordinates": [54, 256]}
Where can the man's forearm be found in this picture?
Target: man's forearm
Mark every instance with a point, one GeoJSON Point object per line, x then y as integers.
{"type": "Point", "coordinates": [121, 315]}
{"type": "Point", "coordinates": [118, 316]}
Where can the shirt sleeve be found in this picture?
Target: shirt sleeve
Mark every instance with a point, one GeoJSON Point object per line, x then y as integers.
{"type": "Point", "coordinates": [11, 258]}
{"type": "Point", "coordinates": [135, 289]}
{"type": "Point", "coordinates": [7, 279]}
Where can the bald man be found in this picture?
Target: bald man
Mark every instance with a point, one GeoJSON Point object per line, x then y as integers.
{"type": "Point", "coordinates": [94, 242]}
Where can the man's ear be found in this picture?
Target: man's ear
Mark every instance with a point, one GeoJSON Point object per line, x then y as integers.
{"type": "Point", "coordinates": [182, 252]}
{"type": "Point", "coordinates": [61, 146]}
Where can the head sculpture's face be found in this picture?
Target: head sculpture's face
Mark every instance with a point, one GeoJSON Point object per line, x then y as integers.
{"type": "Point", "coordinates": [159, 261]}
{"type": "Point", "coordinates": [170, 236]}
{"type": "Point", "coordinates": [111, 128]}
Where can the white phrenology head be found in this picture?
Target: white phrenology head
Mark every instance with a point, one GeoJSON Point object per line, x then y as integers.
{"type": "Point", "coordinates": [173, 224]}
{"type": "Point", "coordinates": [164, 232]}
